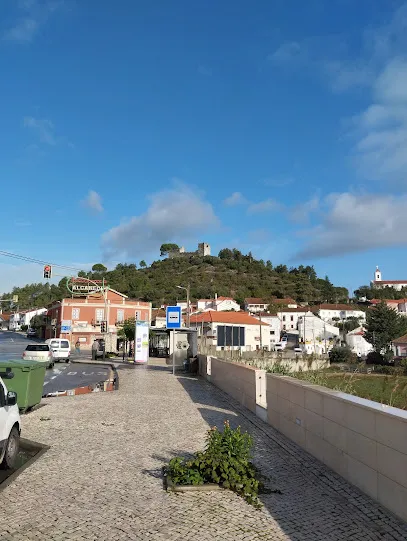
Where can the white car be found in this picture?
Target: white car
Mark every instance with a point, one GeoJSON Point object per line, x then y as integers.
{"type": "Point", "coordinates": [10, 425]}
{"type": "Point", "coordinates": [61, 349]}
{"type": "Point", "coordinates": [280, 346]}
{"type": "Point", "coordinates": [39, 352]}
{"type": "Point", "coordinates": [298, 350]}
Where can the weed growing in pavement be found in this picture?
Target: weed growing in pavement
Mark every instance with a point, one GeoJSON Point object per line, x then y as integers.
{"type": "Point", "coordinates": [225, 461]}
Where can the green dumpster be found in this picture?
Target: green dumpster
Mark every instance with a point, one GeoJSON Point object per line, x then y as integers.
{"type": "Point", "coordinates": [28, 381]}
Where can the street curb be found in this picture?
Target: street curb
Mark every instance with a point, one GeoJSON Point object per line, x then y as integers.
{"type": "Point", "coordinates": [108, 385]}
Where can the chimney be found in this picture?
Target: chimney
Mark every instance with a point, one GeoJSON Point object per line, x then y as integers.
{"type": "Point", "coordinates": [216, 296]}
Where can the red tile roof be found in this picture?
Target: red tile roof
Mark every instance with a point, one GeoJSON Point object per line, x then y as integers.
{"type": "Point", "coordinates": [390, 282]}
{"type": "Point", "coordinates": [401, 340]}
{"type": "Point", "coordinates": [342, 307]}
{"type": "Point", "coordinates": [254, 300]}
{"type": "Point", "coordinates": [387, 301]}
{"type": "Point", "coordinates": [238, 318]}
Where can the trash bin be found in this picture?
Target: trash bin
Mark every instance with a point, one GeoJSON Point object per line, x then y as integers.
{"type": "Point", "coordinates": [28, 381]}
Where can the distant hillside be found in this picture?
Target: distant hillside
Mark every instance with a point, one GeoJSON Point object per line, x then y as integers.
{"type": "Point", "coordinates": [230, 274]}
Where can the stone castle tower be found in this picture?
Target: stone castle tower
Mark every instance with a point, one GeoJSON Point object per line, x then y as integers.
{"type": "Point", "coordinates": [204, 249]}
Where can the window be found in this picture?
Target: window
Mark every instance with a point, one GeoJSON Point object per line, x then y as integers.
{"type": "Point", "coordinates": [54, 344]}
{"type": "Point", "coordinates": [100, 315]}
{"type": "Point", "coordinates": [292, 318]}
{"type": "Point", "coordinates": [39, 347]}
{"type": "Point", "coordinates": [138, 314]}
{"type": "Point", "coordinates": [120, 316]}
{"type": "Point", "coordinates": [272, 332]}
{"type": "Point", "coordinates": [230, 336]}
{"type": "Point", "coordinates": [75, 313]}
{"type": "Point", "coordinates": [65, 344]}
{"type": "Point", "coordinates": [284, 327]}
{"type": "Point", "coordinates": [283, 318]}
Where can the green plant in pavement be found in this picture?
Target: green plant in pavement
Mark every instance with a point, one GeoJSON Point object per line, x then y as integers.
{"type": "Point", "coordinates": [226, 461]}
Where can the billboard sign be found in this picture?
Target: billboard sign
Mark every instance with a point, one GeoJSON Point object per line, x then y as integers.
{"type": "Point", "coordinates": [141, 342]}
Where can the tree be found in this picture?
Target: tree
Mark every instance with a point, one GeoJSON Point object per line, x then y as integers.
{"type": "Point", "coordinates": [384, 325]}
{"type": "Point", "coordinates": [225, 253]}
{"type": "Point", "coordinates": [98, 267]}
{"type": "Point", "coordinates": [168, 247]}
{"type": "Point", "coordinates": [143, 264]}
{"type": "Point", "coordinates": [341, 354]}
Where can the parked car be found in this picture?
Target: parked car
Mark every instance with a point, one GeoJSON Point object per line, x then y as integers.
{"type": "Point", "coordinates": [32, 333]}
{"type": "Point", "coordinates": [280, 346]}
{"type": "Point", "coordinates": [9, 425]}
{"type": "Point", "coordinates": [61, 349]}
{"type": "Point", "coordinates": [39, 352]}
{"type": "Point", "coordinates": [298, 349]}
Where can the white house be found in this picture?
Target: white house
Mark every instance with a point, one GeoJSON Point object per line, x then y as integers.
{"type": "Point", "coordinates": [19, 319]}
{"type": "Point", "coordinates": [158, 318]}
{"type": "Point", "coordinates": [289, 317]}
{"type": "Point", "coordinates": [380, 283]}
{"type": "Point", "coordinates": [253, 305]}
{"type": "Point", "coordinates": [275, 325]}
{"type": "Point", "coordinates": [220, 304]}
{"type": "Point", "coordinates": [358, 344]}
{"type": "Point", "coordinates": [231, 330]}
{"type": "Point", "coordinates": [312, 328]}
{"type": "Point", "coordinates": [330, 312]}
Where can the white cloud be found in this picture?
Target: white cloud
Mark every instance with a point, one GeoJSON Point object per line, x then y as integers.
{"type": "Point", "coordinates": [235, 199]}
{"type": "Point", "coordinates": [32, 16]}
{"type": "Point", "coordinates": [355, 223]}
{"type": "Point", "coordinates": [93, 201]}
{"type": "Point", "coordinates": [301, 213]}
{"type": "Point", "coordinates": [381, 129]}
{"type": "Point", "coordinates": [175, 215]}
{"type": "Point", "coordinates": [286, 53]}
{"type": "Point", "coordinates": [43, 127]}
{"type": "Point", "coordinates": [263, 206]}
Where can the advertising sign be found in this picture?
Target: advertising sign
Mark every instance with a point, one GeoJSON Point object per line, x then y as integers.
{"type": "Point", "coordinates": [141, 342]}
{"type": "Point", "coordinates": [83, 286]}
{"type": "Point", "coordinates": [66, 325]}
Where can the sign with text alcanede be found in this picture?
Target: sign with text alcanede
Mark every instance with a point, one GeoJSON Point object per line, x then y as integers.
{"type": "Point", "coordinates": [173, 317]}
{"type": "Point", "coordinates": [83, 286]}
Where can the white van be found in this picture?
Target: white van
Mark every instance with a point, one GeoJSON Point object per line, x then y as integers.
{"type": "Point", "coordinates": [60, 347]}
{"type": "Point", "coordinates": [9, 426]}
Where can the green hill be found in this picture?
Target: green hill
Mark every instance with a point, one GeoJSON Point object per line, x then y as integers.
{"type": "Point", "coordinates": [230, 274]}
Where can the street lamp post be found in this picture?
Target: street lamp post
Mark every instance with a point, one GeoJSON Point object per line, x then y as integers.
{"type": "Point", "coordinates": [187, 289]}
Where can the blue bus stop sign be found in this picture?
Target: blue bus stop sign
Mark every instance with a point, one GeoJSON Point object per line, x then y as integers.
{"type": "Point", "coordinates": [173, 317]}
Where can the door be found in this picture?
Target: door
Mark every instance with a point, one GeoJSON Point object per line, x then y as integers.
{"type": "Point", "coordinates": [3, 418]}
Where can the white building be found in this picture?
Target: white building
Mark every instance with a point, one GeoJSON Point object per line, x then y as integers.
{"type": "Point", "coordinates": [311, 327]}
{"type": "Point", "coordinates": [289, 317]}
{"type": "Point", "coordinates": [19, 319]}
{"type": "Point", "coordinates": [275, 326]}
{"type": "Point", "coordinates": [253, 305]}
{"type": "Point", "coordinates": [158, 318]}
{"type": "Point", "coordinates": [231, 330]}
{"type": "Point", "coordinates": [358, 344]}
{"type": "Point", "coordinates": [220, 304]}
{"type": "Point", "coordinates": [380, 283]}
{"type": "Point", "coordinates": [332, 312]}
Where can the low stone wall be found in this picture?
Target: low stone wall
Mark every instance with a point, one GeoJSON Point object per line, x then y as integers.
{"type": "Point", "coordinates": [363, 441]}
{"type": "Point", "coordinates": [299, 364]}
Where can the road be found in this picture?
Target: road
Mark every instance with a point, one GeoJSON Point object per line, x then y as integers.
{"type": "Point", "coordinates": [60, 378]}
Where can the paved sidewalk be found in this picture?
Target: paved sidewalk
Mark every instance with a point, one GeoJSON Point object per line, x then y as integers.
{"type": "Point", "coordinates": [101, 478]}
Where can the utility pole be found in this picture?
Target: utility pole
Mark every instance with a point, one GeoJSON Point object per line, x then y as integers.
{"type": "Point", "coordinates": [261, 336]}
{"type": "Point", "coordinates": [187, 289]}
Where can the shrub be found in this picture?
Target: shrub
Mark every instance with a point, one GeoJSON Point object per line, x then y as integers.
{"type": "Point", "coordinates": [341, 354]}
{"type": "Point", "coordinates": [24, 328]}
{"type": "Point", "coordinates": [373, 357]}
{"type": "Point", "coordinates": [226, 461]}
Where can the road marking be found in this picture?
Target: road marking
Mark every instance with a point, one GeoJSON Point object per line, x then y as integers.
{"type": "Point", "coordinates": [53, 377]}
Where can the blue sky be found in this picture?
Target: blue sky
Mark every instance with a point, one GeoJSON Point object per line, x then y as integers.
{"type": "Point", "coordinates": [276, 127]}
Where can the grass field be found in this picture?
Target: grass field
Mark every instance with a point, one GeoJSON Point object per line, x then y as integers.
{"type": "Point", "coordinates": [390, 390]}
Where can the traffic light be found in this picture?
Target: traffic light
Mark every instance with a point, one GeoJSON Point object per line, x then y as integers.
{"type": "Point", "coordinates": [47, 271]}
{"type": "Point", "coordinates": [103, 326]}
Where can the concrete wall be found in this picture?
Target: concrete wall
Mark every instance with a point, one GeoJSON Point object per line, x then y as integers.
{"type": "Point", "coordinates": [363, 441]}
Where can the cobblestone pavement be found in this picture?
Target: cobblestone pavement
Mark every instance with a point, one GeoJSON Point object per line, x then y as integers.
{"type": "Point", "coordinates": [101, 478]}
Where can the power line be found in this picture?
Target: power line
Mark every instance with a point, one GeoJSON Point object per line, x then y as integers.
{"type": "Point", "coordinates": [39, 261]}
